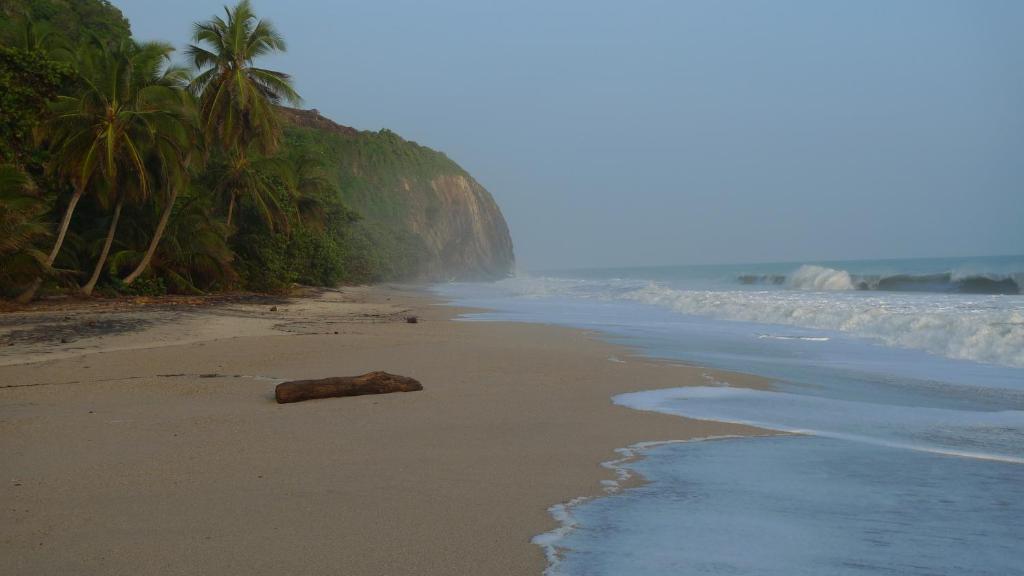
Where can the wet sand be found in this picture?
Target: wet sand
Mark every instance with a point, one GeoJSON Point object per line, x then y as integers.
{"type": "Point", "coordinates": [148, 442]}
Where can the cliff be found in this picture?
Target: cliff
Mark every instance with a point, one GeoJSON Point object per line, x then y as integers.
{"type": "Point", "coordinates": [437, 221]}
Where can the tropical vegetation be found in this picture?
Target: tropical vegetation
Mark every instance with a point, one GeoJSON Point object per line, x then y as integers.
{"type": "Point", "coordinates": [124, 173]}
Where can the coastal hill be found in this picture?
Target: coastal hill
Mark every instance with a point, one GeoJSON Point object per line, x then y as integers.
{"type": "Point", "coordinates": [225, 192]}
{"type": "Point", "coordinates": [424, 207]}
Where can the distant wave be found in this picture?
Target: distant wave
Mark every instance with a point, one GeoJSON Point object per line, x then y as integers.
{"type": "Point", "coordinates": [820, 278]}
{"type": "Point", "coordinates": [811, 277]}
{"type": "Point", "coordinates": [803, 338]}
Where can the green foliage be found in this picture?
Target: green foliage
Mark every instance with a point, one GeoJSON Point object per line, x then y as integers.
{"type": "Point", "coordinates": [237, 99]}
{"type": "Point", "coordinates": [28, 82]}
{"type": "Point", "coordinates": [123, 131]}
{"type": "Point", "coordinates": [272, 263]}
{"type": "Point", "coordinates": [391, 252]}
{"type": "Point", "coordinates": [256, 182]}
{"type": "Point", "coordinates": [378, 173]}
{"type": "Point", "coordinates": [214, 194]}
{"type": "Point", "coordinates": [194, 255]}
{"type": "Point", "coordinates": [382, 177]}
{"type": "Point", "coordinates": [316, 258]}
{"type": "Point", "coordinates": [76, 20]}
{"type": "Point", "coordinates": [264, 262]}
{"type": "Point", "coordinates": [149, 285]}
{"type": "Point", "coordinates": [20, 228]}
{"type": "Point", "coordinates": [127, 122]}
{"type": "Point", "coordinates": [309, 248]}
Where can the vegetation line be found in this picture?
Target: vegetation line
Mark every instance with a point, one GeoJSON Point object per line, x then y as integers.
{"type": "Point", "coordinates": [122, 172]}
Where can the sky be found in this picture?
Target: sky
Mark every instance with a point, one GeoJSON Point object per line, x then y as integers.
{"type": "Point", "coordinates": [649, 132]}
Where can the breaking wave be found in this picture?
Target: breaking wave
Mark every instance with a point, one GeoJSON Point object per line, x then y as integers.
{"type": "Point", "coordinates": [964, 328]}
{"type": "Point", "coordinates": [811, 277]}
{"type": "Point", "coordinates": [965, 315]}
{"type": "Point", "coordinates": [982, 329]}
{"type": "Point", "coordinates": [820, 278]}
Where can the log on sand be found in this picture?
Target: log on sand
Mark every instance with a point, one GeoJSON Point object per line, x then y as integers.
{"type": "Point", "coordinates": [369, 383]}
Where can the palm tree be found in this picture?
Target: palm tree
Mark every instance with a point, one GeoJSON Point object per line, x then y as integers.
{"type": "Point", "coordinates": [308, 187]}
{"type": "Point", "coordinates": [237, 100]}
{"type": "Point", "coordinates": [176, 178]}
{"type": "Point", "coordinates": [123, 130]}
{"type": "Point", "coordinates": [32, 36]}
{"type": "Point", "coordinates": [260, 180]}
{"type": "Point", "coordinates": [193, 254]}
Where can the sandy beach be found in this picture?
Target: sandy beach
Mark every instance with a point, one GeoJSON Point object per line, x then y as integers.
{"type": "Point", "coordinates": [148, 441]}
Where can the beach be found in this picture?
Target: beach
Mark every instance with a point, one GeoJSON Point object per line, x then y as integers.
{"type": "Point", "coordinates": [900, 416]}
{"type": "Point", "coordinates": [148, 440]}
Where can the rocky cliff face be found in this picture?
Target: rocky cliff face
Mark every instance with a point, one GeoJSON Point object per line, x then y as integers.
{"type": "Point", "coordinates": [434, 211]}
{"type": "Point", "coordinates": [464, 230]}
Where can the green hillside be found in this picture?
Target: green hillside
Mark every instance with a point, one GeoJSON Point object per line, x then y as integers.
{"type": "Point", "coordinates": [123, 173]}
{"type": "Point", "coordinates": [427, 217]}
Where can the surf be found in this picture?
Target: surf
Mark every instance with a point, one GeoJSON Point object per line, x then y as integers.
{"type": "Point", "coordinates": [814, 277]}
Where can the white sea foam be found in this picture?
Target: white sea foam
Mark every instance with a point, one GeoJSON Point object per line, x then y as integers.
{"type": "Point", "coordinates": [985, 329]}
{"type": "Point", "coordinates": [803, 338]}
{"type": "Point", "coordinates": [820, 278]}
{"type": "Point", "coordinates": [936, 430]}
{"type": "Point", "coordinates": [982, 328]}
{"type": "Point", "coordinates": [551, 542]}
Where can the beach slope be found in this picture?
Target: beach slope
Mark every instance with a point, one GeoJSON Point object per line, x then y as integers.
{"type": "Point", "coordinates": [149, 442]}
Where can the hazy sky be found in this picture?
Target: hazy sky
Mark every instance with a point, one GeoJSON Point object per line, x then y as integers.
{"type": "Point", "coordinates": [675, 132]}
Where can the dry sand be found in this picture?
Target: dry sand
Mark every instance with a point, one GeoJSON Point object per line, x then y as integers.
{"type": "Point", "coordinates": [149, 441]}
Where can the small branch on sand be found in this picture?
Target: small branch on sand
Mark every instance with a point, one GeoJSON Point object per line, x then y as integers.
{"type": "Point", "coordinates": [370, 383]}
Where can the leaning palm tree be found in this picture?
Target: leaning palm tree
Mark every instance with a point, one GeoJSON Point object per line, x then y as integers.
{"type": "Point", "coordinates": [237, 100]}
{"type": "Point", "coordinates": [195, 255]}
{"type": "Point", "coordinates": [176, 177]}
{"type": "Point", "coordinates": [120, 133]}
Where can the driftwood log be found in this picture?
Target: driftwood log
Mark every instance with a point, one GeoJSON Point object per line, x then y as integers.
{"type": "Point", "coordinates": [369, 383]}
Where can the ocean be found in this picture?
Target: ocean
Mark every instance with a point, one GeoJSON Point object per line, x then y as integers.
{"type": "Point", "coordinates": [902, 382]}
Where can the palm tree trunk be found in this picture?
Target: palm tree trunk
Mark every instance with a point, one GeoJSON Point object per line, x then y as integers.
{"type": "Point", "coordinates": [231, 210]}
{"type": "Point", "coordinates": [87, 289]}
{"type": "Point", "coordinates": [30, 292]}
{"type": "Point", "coordinates": [155, 241]}
{"type": "Point", "coordinates": [237, 161]}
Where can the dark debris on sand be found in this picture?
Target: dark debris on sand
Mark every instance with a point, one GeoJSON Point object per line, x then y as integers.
{"type": "Point", "coordinates": [67, 331]}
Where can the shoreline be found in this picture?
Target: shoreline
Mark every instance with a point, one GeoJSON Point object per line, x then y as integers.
{"type": "Point", "coordinates": [134, 447]}
{"type": "Point", "coordinates": [626, 478]}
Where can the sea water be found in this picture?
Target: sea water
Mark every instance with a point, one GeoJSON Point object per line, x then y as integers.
{"type": "Point", "coordinates": [903, 381]}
